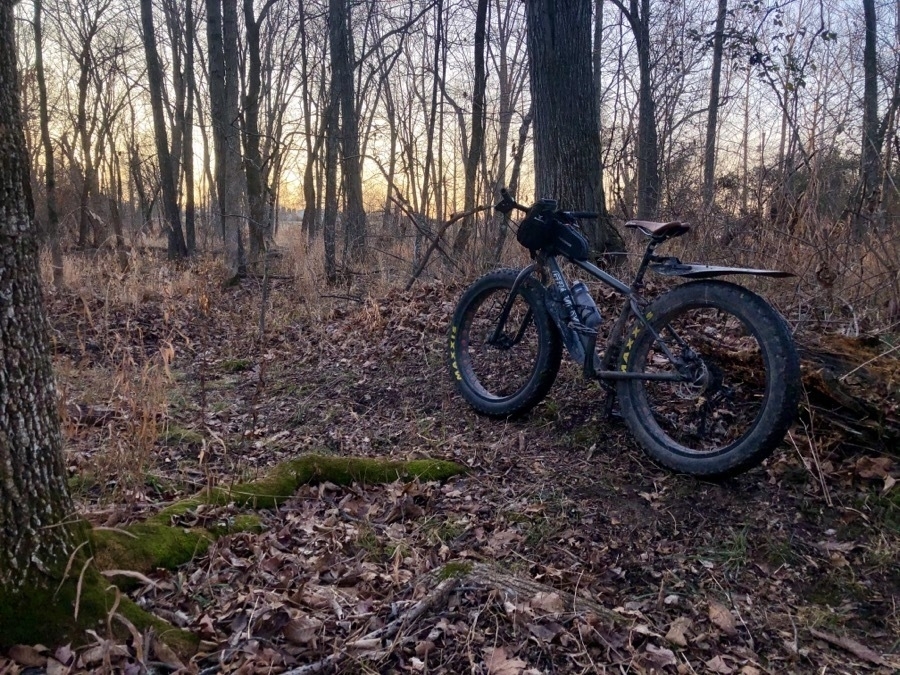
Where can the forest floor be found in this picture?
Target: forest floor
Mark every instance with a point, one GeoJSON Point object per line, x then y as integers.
{"type": "Point", "coordinates": [574, 553]}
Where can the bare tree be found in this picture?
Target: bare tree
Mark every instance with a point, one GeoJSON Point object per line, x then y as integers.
{"type": "Point", "coordinates": [476, 142]}
{"type": "Point", "coordinates": [709, 155]}
{"type": "Point", "coordinates": [177, 246]}
{"type": "Point", "coordinates": [638, 16]}
{"type": "Point", "coordinates": [53, 233]}
{"type": "Point", "coordinates": [221, 32]}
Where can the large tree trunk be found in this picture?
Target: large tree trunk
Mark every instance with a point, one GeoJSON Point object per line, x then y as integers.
{"type": "Point", "coordinates": [566, 142]}
{"type": "Point", "coordinates": [260, 231]}
{"type": "Point", "coordinates": [342, 88]}
{"type": "Point", "coordinates": [34, 495]}
{"type": "Point", "coordinates": [870, 153]}
{"type": "Point", "coordinates": [223, 73]}
{"type": "Point", "coordinates": [709, 157]}
{"type": "Point", "coordinates": [177, 247]}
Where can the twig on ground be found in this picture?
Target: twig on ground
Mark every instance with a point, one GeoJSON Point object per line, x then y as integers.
{"type": "Point", "coordinates": [437, 596]}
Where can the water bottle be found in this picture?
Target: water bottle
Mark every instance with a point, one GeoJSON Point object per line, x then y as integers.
{"type": "Point", "coordinates": [585, 305]}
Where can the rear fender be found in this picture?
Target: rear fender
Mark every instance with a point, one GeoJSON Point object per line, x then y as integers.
{"type": "Point", "coordinates": [694, 271]}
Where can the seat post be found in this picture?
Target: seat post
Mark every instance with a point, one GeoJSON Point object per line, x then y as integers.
{"type": "Point", "coordinates": [648, 256]}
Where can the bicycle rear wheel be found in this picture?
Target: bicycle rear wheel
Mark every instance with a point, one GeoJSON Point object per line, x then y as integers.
{"type": "Point", "coordinates": [507, 374]}
{"type": "Point", "coordinates": [744, 380]}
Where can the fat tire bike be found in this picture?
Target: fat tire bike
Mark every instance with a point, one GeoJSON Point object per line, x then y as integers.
{"type": "Point", "coordinates": [706, 374]}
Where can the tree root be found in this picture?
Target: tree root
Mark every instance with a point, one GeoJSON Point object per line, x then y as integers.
{"type": "Point", "coordinates": [60, 612]}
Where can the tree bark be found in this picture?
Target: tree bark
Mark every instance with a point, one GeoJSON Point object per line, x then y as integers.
{"type": "Point", "coordinates": [221, 29]}
{"type": "Point", "coordinates": [709, 157]}
{"type": "Point", "coordinates": [177, 246]}
{"type": "Point", "coordinates": [566, 142]}
{"type": "Point", "coordinates": [342, 92]}
{"type": "Point", "coordinates": [34, 494]}
{"type": "Point", "coordinates": [188, 161]}
{"type": "Point", "coordinates": [259, 227]}
{"type": "Point", "coordinates": [49, 164]}
{"type": "Point", "coordinates": [476, 144]}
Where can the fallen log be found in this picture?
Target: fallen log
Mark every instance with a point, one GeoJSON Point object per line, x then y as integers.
{"type": "Point", "coordinates": [852, 392]}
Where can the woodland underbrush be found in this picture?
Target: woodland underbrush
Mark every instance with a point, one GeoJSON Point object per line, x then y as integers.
{"type": "Point", "coordinates": [171, 383]}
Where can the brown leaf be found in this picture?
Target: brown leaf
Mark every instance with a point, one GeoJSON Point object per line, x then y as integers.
{"type": "Point", "coordinates": [857, 649]}
{"type": "Point", "coordinates": [717, 665]}
{"type": "Point", "coordinates": [498, 663]}
{"type": "Point", "coordinates": [54, 667]}
{"type": "Point", "coordinates": [661, 656]}
{"type": "Point", "coordinates": [677, 631]}
{"type": "Point", "coordinates": [302, 630]}
{"type": "Point", "coordinates": [166, 654]}
{"type": "Point", "coordinates": [722, 618]}
{"type": "Point", "coordinates": [873, 467]}
{"type": "Point", "coordinates": [545, 632]}
{"type": "Point", "coordinates": [548, 602]}
{"type": "Point", "coordinates": [28, 656]}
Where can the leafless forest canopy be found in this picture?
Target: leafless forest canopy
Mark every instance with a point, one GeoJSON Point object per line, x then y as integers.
{"type": "Point", "coordinates": [358, 127]}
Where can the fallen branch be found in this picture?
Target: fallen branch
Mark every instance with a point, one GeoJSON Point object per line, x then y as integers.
{"type": "Point", "coordinates": [377, 638]}
{"type": "Point", "coordinates": [434, 243]}
{"type": "Point", "coordinates": [858, 650]}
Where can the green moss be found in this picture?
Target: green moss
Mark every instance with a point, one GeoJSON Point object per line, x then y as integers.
{"type": "Point", "coordinates": [248, 522]}
{"type": "Point", "coordinates": [82, 483]}
{"type": "Point", "coordinates": [45, 613]}
{"type": "Point", "coordinates": [236, 365]}
{"type": "Point", "coordinates": [284, 480]}
{"type": "Point", "coordinates": [145, 546]}
{"type": "Point", "coordinates": [455, 569]}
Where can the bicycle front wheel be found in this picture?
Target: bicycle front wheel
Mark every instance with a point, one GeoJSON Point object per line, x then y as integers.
{"type": "Point", "coordinates": [742, 381]}
{"type": "Point", "coordinates": [508, 372]}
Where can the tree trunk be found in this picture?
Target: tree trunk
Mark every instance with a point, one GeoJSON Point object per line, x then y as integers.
{"type": "Point", "coordinates": [221, 29]}
{"type": "Point", "coordinates": [177, 247]}
{"type": "Point", "coordinates": [188, 161]}
{"type": "Point", "coordinates": [260, 232]}
{"type": "Point", "coordinates": [709, 157]}
{"type": "Point", "coordinates": [648, 150]}
{"type": "Point", "coordinates": [476, 144]}
{"type": "Point", "coordinates": [34, 494]}
{"type": "Point", "coordinates": [871, 149]}
{"type": "Point", "coordinates": [566, 142]}
{"type": "Point", "coordinates": [49, 164]}
{"type": "Point", "coordinates": [341, 45]}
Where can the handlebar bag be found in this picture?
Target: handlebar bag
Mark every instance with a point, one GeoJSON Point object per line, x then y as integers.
{"type": "Point", "coordinates": [543, 228]}
{"type": "Point", "coordinates": [538, 229]}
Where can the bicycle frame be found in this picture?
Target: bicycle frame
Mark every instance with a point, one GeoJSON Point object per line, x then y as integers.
{"type": "Point", "coordinates": [580, 340]}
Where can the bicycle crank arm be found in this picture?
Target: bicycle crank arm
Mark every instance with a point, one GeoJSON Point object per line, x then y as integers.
{"type": "Point", "coordinates": [619, 375]}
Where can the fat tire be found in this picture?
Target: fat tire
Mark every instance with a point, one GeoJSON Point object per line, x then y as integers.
{"type": "Point", "coordinates": [547, 360]}
{"type": "Point", "coordinates": [782, 389]}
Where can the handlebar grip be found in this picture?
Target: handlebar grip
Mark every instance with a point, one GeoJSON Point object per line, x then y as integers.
{"type": "Point", "coordinates": [584, 214]}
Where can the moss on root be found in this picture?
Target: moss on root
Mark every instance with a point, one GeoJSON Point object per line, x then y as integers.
{"type": "Point", "coordinates": [46, 613]}
{"type": "Point", "coordinates": [157, 543]}
{"type": "Point", "coordinates": [287, 477]}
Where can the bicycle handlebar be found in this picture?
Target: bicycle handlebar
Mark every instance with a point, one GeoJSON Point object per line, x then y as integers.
{"type": "Point", "coordinates": [507, 204]}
